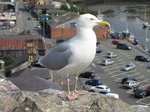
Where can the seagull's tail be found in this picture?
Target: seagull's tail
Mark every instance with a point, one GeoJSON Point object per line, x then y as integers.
{"type": "Point", "coordinates": [36, 64]}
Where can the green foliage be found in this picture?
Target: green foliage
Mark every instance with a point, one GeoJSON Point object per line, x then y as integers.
{"type": "Point", "coordinates": [64, 7]}
{"type": "Point", "coordinates": [7, 59]}
{"type": "Point", "coordinates": [7, 68]}
{"type": "Point", "coordinates": [44, 10]}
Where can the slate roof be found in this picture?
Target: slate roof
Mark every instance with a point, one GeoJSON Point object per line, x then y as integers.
{"type": "Point", "coordinates": [43, 73]}
{"type": "Point", "coordinates": [34, 83]}
{"type": "Point", "coordinates": [62, 19]}
{"type": "Point", "coordinates": [55, 12]}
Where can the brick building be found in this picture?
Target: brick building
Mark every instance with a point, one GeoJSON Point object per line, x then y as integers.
{"type": "Point", "coordinates": [63, 26]}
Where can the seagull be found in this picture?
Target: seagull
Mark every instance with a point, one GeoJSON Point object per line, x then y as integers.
{"type": "Point", "coordinates": [75, 54]}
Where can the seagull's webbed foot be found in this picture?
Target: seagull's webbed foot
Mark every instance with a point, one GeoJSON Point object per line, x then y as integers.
{"type": "Point", "coordinates": [71, 96]}
{"type": "Point", "coordinates": [77, 93]}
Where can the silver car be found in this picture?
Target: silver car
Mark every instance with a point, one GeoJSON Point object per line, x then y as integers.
{"type": "Point", "coordinates": [111, 55]}
{"type": "Point", "coordinates": [107, 62]}
{"type": "Point", "coordinates": [128, 67]}
{"type": "Point", "coordinates": [131, 84]}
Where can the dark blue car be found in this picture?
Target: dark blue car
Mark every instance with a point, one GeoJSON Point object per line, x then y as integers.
{"type": "Point", "coordinates": [94, 82]}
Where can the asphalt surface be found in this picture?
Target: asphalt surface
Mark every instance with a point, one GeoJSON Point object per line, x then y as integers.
{"type": "Point", "coordinates": [112, 75]}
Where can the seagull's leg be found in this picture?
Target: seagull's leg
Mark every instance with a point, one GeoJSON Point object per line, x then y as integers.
{"type": "Point", "coordinates": [70, 95]}
{"type": "Point", "coordinates": [51, 74]}
{"type": "Point", "coordinates": [75, 92]}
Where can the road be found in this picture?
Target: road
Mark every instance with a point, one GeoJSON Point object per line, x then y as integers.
{"type": "Point", "coordinates": [22, 22]}
{"type": "Point", "coordinates": [112, 75]}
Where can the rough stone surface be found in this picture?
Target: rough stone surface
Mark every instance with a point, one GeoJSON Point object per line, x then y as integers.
{"type": "Point", "coordinates": [56, 101]}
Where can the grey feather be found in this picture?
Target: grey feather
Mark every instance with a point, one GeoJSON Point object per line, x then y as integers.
{"type": "Point", "coordinates": [57, 58]}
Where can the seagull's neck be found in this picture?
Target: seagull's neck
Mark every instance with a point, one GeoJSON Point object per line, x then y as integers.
{"type": "Point", "coordinates": [86, 34]}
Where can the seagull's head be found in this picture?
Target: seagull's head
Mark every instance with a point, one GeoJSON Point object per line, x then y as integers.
{"type": "Point", "coordinates": [89, 21]}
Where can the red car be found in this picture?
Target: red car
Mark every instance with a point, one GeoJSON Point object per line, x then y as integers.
{"type": "Point", "coordinates": [116, 42]}
{"type": "Point", "coordinates": [148, 87]}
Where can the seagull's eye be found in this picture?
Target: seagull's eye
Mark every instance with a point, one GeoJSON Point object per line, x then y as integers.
{"type": "Point", "coordinates": [91, 19]}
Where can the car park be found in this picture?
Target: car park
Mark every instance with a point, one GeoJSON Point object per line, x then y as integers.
{"type": "Point", "coordinates": [128, 67]}
{"type": "Point", "coordinates": [131, 84]}
{"type": "Point", "coordinates": [127, 79]}
{"type": "Point", "coordinates": [111, 55]}
{"type": "Point", "coordinates": [88, 74]}
{"type": "Point", "coordinates": [141, 93]}
{"type": "Point", "coordinates": [99, 88]}
{"type": "Point", "coordinates": [142, 58]}
{"type": "Point", "coordinates": [123, 46]}
{"type": "Point", "coordinates": [94, 82]}
{"type": "Point", "coordinates": [116, 42]}
{"type": "Point", "coordinates": [107, 62]}
{"type": "Point", "coordinates": [110, 94]}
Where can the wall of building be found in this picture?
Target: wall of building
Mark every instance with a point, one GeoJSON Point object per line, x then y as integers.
{"type": "Point", "coordinates": [71, 32]}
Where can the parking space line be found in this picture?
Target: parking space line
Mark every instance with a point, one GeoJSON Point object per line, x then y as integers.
{"type": "Point", "coordinates": [140, 101]}
{"type": "Point", "coordinates": [115, 71]}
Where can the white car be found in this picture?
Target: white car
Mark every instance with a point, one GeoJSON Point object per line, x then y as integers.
{"type": "Point", "coordinates": [107, 62]}
{"type": "Point", "coordinates": [128, 67]}
{"type": "Point", "coordinates": [131, 84]}
{"type": "Point", "coordinates": [99, 88]}
{"type": "Point", "coordinates": [110, 94]}
{"type": "Point", "coordinates": [38, 26]}
{"type": "Point", "coordinates": [111, 55]}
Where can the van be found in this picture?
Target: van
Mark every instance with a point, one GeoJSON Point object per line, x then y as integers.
{"type": "Point", "coordinates": [123, 46]}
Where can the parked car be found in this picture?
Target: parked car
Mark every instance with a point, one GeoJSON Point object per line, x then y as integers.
{"type": "Point", "coordinates": [88, 74]}
{"type": "Point", "coordinates": [148, 88]}
{"type": "Point", "coordinates": [111, 55]}
{"type": "Point", "coordinates": [123, 46]}
{"type": "Point", "coordinates": [107, 93]}
{"type": "Point", "coordinates": [131, 84]}
{"type": "Point", "coordinates": [142, 58]}
{"type": "Point", "coordinates": [116, 42]}
{"type": "Point", "coordinates": [97, 43]}
{"type": "Point", "coordinates": [98, 51]}
{"type": "Point", "coordinates": [38, 26]}
{"type": "Point", "coordinates": [94, 82]}
{"type": "Point", "coordinates": [127, 79]}
{"type": "Point", "coordinates": [2, 26]}
{"type": "Point", "coordinates": [29, 18]}
{"type": "Point", "coordinates": [99, 88]}
{"type": "Point", "coordinates": [59, 41]}
{"type": "Point", "coordinates": [141, 93]}
{"type": "Point", "coordinates": [128, 67]}
{"type": "Point", "coordinates": [107, 62]}
{"type": "Point", "coordinates": [148, 66]}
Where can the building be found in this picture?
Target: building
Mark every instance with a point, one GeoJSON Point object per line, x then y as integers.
{"type": "Point", "coordinates": [63, 27]}
{"type": "Point", "coordinates": [20, 45]}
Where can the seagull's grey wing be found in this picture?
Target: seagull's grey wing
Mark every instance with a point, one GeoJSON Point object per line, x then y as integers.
{"type": "Point", "coordinates": [57, 58]}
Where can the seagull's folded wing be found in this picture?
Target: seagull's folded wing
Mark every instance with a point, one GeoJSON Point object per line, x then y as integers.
{"type": "Point", "coordinates": [57, 58]}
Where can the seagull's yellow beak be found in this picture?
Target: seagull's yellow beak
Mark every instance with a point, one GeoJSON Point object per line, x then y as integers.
{"type": "Point", "coordinates": [104, 23]}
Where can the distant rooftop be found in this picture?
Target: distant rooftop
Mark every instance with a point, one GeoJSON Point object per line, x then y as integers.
{"type": "Point", "coordinates": [62, 19]}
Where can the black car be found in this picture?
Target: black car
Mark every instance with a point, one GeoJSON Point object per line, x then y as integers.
{"type": "Point", "coordinates": [87, 75]}
{"type": "Point", "coordinates": [127, 78]}
{"type": "Point", "coordinates": [142, 58]}
{"type": "Point", "coordinates": [98, 51]}
{"type": "Point", "coordinates": [123, 46]}
{"type": "Point", "coordinates": [29, 18]}
{"type": "Point", "coordinates": [141, 93]}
